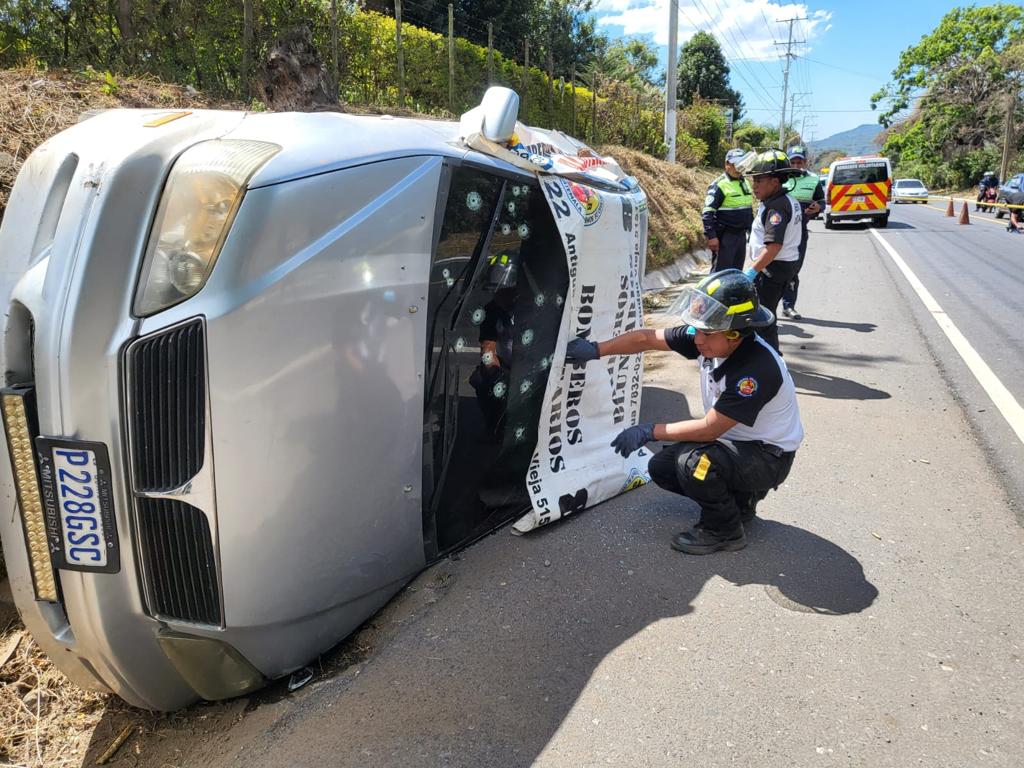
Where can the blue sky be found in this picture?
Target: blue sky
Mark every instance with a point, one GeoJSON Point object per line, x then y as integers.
{"type": "Point", "coordinates": [850, 51]}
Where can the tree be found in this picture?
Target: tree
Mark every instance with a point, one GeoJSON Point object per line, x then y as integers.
{"type": "Point", "coordinates": [957, 81]}
{"type": "Point", "coordinates": [704, 74]}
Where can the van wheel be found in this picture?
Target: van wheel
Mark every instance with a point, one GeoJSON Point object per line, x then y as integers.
{"type": "Point", "coordinates": [828, 222]}
{"type": "Point", "coordinates": [882, 221]}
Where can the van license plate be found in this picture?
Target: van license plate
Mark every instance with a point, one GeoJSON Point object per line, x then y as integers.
{"type": "Point", "coordinates": [858, 198]}
{"type": "Point", "coordinates": [78, 503]}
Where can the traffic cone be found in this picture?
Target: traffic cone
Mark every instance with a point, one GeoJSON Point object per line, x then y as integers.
{"type": "Point", "coordinates": [949, 209]}
{"type": "Point", "coordinates": [964, 218]}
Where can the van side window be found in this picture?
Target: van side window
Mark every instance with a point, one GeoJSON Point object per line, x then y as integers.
{"type": "Point", "coordinates": [493, 323]}
{"type": "Point", "coordinates": [469, 209]}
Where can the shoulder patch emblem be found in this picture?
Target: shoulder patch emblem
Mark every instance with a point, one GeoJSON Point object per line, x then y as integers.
{"type": "Point", "coordinates": [746, 386]}
{"type": "Point", "coordinates": [709, 200]}
{"type": "Point", "coordinates": [775, 218]}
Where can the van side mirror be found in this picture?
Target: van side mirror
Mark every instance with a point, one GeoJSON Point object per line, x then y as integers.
{"type": "Point", "coordinates": [500, 107]}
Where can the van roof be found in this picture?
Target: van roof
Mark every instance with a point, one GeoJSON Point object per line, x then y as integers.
{"type": "Point", "coordinates": [319, 142]}
{"type": "Point", "coordinates": [860, 159]}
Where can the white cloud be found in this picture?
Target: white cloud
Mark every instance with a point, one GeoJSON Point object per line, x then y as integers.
{"type": "Point", "coordinates": [746, 29]}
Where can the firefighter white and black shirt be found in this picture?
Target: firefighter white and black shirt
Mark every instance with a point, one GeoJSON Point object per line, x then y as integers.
{"type": "Point", "coordinates": [752, 386]}
{"type": "Point", "coordinates": [778, 220]}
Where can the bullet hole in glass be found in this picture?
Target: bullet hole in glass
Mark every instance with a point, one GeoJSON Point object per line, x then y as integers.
{"type": "Point", "coordinates": [527, 337]}
{"type": "Point", "coordinates": [525, 386]}
{"type": "Point", "coordinates": [511, 207]}
{"type": "Point", "coordinates": [523, 231]}
{"type": "Point", "coordinates": [499, 389]}
{"type": "Point", "coordinates": [506, 229]}
{"type": "Point", "coordinates": [516, 191]}
{"type": "Point", "coordinates": [559, 300]}
{"type": "Point", "coordinates": [539, 299]}
{"type": "Point", "coordinates": [520, 434]}
{"type": "Point", "coordinates": [487, 358]}
{"type": "Point", "coordinates": [474, 201]}
{"type": "Point", "coordinates": [544, 363]}
{"type": "Point", "coordinates": [478, 315]}
{"type": "Point", "coordinates": [460, 344]}
{"type": "Point", "coordinates": [446, 272]}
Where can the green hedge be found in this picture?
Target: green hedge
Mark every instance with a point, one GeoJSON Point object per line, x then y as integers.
{"type": "Point", "coordinates": [368, 76]}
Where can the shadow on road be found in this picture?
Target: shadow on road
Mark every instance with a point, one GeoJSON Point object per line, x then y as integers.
{"type": "Point", "coordinates": [820, 323]}
{"type": "Point", "coordinates": [813, 350]}
{"type": "Point", "coordinates": [484, 657]}
{"type": "Point", "coordinates": [490, 675]}
{"type": "Point", "coordinates": [814, 384]}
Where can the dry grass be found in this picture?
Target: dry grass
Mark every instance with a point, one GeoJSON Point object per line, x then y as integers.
{"type": "Point", "coordinates": [34, 105]}
{"type": "Point", "coordinates": [44, 719]}
{"type": "Point", "coordinates": [675, 196]}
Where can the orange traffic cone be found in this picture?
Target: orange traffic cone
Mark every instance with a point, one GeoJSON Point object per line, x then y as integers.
{"type": "Point", "coordinates": [964, 218]}
{"type": "Point", "coordinates": [949, 209]}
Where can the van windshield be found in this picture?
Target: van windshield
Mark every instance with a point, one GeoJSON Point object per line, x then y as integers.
{"type": "Point", "coordinates": [860, 174]}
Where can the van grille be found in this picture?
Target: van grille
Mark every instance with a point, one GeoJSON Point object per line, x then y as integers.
{"type": "Point", "coordinates": [168, 407]}
{"type": "Point", "coordinates": [179, 564]}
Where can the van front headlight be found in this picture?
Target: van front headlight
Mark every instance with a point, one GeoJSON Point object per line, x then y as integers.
{"type": "Point", "coordinates": [203, 192]}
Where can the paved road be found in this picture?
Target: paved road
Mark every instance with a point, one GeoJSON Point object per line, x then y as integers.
{"type": "Point", "coordinates": [874, 620]}
{"type": "Point", "coordinates": [976, 273]}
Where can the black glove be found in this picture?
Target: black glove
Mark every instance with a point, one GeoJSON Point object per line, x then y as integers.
{"type": "Point", "coordinates": [581, 350]}
{"type": "Point", "coordinates": [632, 438]}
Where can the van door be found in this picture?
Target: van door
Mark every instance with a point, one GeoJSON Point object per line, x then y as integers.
{"type": "Point", "coordinates": [497, 288]}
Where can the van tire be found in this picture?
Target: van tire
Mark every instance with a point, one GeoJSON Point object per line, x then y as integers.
{"type": "Point", "coordinates": [882, 221]}
{"type": "Point", "coordinates": [828, 222]}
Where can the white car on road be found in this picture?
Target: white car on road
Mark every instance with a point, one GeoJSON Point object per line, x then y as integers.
{"type": "Point", "coordinates": [909, 191]}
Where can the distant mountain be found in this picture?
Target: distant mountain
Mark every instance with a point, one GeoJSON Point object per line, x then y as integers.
{"type": "Point", "coordinates": [856, 141]}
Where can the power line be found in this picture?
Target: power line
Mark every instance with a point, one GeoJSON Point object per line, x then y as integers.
{"type": "Point", "coordinates": [739, 72]}
{"type": "Point", "coordinates": [842, 69]}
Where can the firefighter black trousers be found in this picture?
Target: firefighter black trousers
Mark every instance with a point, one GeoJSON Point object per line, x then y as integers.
{"type": "Point", "coordinates": [722, 476]}
{"type": "Point", "coordinates": [771, 284]}
{"type": "Point", "coordinates": [732, 249]}
{"type": "Point", "coordinates": [793, 286]}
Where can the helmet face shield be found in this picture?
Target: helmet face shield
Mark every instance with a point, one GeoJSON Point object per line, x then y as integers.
{"type": "Point", "coordinates": [702, 311]}
{"type": "Point", "coordinates": [723, 301]}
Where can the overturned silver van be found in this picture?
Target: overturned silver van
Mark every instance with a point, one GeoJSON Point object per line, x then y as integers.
{"type": "Point", "coordinates": [261, 369]}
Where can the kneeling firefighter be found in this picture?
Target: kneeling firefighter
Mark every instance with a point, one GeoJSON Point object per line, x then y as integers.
{"type": "Point", "coordinates": [744, 446]}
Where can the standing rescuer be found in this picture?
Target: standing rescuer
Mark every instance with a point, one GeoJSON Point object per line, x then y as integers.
{"type": "Point", "coordinates": [728, 214]}
{"type": "Point", "coordinates": [809, 193]}
{"type": "Point", "coordinates": [777, 232]}
{"type": "Point", "coordinates": [744, 445]}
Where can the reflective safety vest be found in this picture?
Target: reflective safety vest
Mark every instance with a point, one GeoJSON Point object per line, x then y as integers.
{"type": "Point", "coordinates": [804, 186]}
{"type": "Point", "coordinates": [728, 205]}
{"type": "Point", "coordinates": [735, 193]}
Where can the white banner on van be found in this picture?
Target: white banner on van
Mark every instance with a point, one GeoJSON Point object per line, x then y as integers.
{"type": "Point", "coordinates": [574, 467]}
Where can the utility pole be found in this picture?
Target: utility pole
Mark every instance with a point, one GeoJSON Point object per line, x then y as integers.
{"type": "Point", "coordinates": [792, 115]}
{"type": "Point", "coordinates": [451, 58]}
{"type": "Point", "coordinates": [670, 81]}
{"type": "Point", "coordinates": [785, 78]}
{"type": "Point", "coordinates": [400, 54]}
{"type": "Point", "coordinates": [490, 53]}
{"type": "Point", "coordinates": [1011, 106]}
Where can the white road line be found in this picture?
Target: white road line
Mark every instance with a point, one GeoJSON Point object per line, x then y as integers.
{"type": "Point", "coordinates": [1001, 397]}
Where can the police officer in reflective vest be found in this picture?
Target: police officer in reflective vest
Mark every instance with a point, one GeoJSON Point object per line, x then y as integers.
{"type": "Point", "coordinates": [807, 190]}
{"type": "Point", "coordinates": [727, 215]}
{"type": "Point", "coordinates": [744, 445]}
